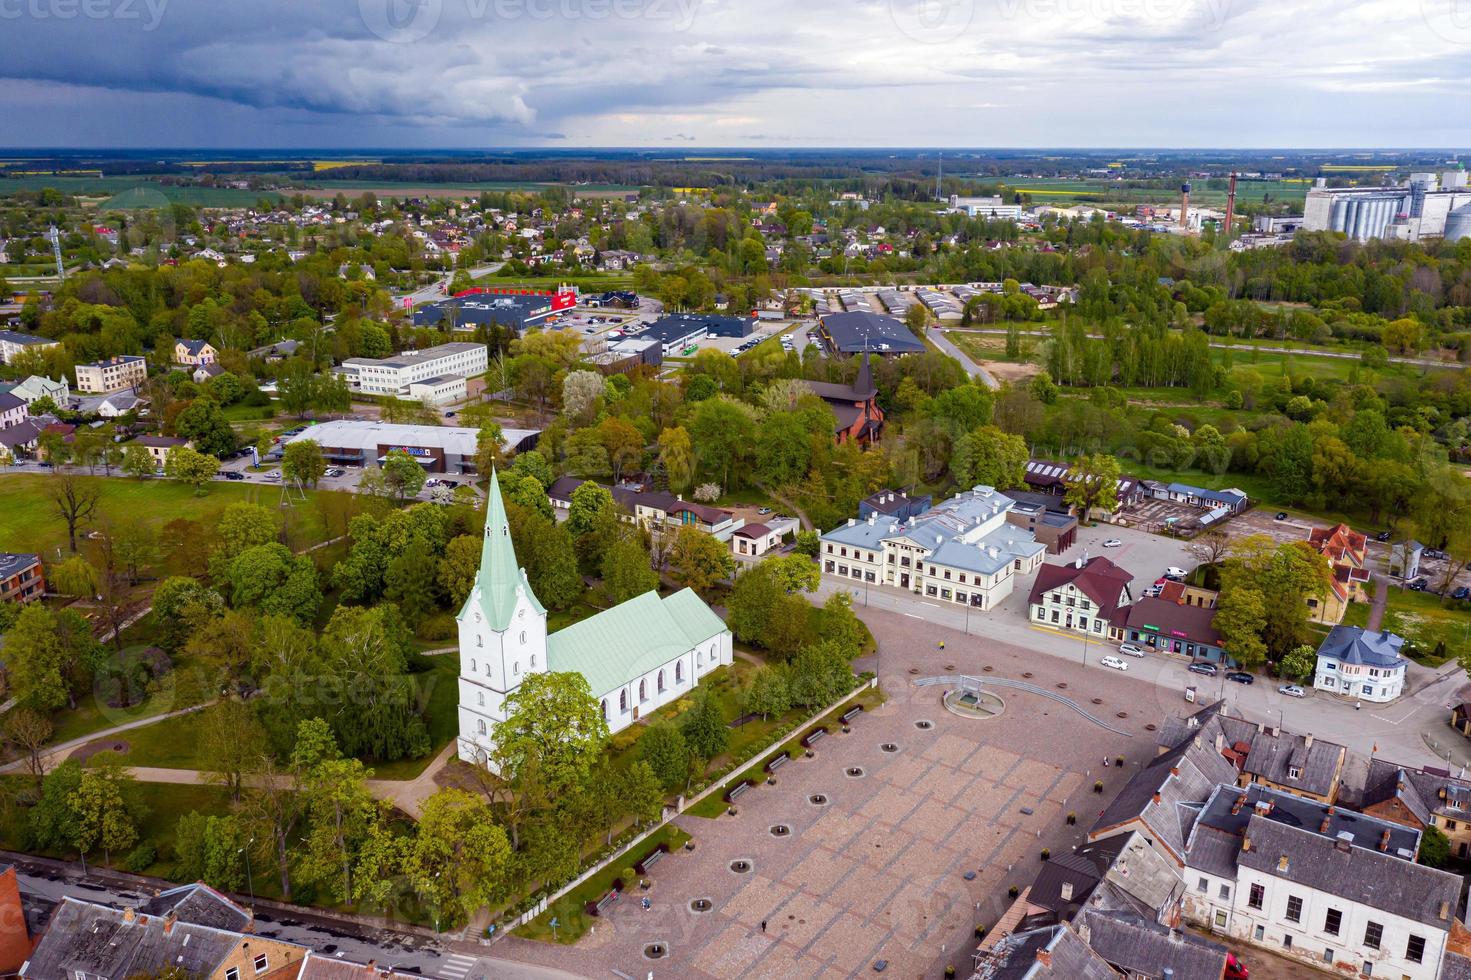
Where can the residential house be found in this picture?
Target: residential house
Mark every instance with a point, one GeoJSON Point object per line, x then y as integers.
{"type": "Point", "coordinates": [209, 938]}
{"type": "Point", "coordinates": [1048, 953]}
{"type": "Point", "coordinates": [272, 353]}
{"type": "Point", "coordinates": [1362, 665]}
{"type": "Point", "coordinates": [20, 440]}
{"type": "Point", "coordinates": [1346, 552]}
{"type": "Point", "coordinates": [21, 577]}
{"type": "Point", "coordinates": [1218, 505]}
{"type": "Point", "coordinates": [1185, 594]}
{"type": "Point", "coordinates": [13, 410]}
{"type": "Point", "coordinates": [1080, 597]}
{"type": "Point", "coordinates": [159, 447]}
{"type": "Point", "coordinates": [1420, 798]}
{"type": "Point", "coordinates": [894, 503]}
{"type": "Point", "coordinates": [855, 406]}
{"type": "Point", "coordinates": [36, 387]}
{"type": "Point", "coordinates": [962, 551]}
{"type": "Point", "coordinates": [205, 372]}
{"type": "Point", "coordinates": [1173, 627]}
{"type": "Point", "coordinates": [754, 540]}
{"type": "Point", "coordinates": [654, 510]}
{"type": "Point", "coordinates": [192, 353]}
{"type": "Point", "coordinates": [112, 374]}
{"type": "Point", "coordinates": [1139, 948]}
{"type": "Point", "coordinates": [1261, 753]}
{"type": "Point", "coordinates": [118, 404]}
{"type": "Point", "coordinates": [12, 342]}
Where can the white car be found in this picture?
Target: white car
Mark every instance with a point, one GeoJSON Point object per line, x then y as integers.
{"type": "Point", "coordinates": [1292, 691]}
{"type": "Point", "coordinates": [1112, 543]}
{"type": "Point", "coordinates": [1131, 649]}
{"type": "Point", "coordinates": [1175, 573]}
{"type": "Point", "coordinates": [1114, 662]}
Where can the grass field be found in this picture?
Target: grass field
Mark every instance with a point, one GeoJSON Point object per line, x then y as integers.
{"type": "Point", "coordinates": [1064, 192]}
{"type": "Point", "coordinates": [1422, 619]}
{"type": "Point", "coordinates": [29, 522]}
{"type": "Point", "coordinates": [130, 193]}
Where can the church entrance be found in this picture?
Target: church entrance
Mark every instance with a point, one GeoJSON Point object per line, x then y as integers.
{"type": "Point", "coordinates": [635, 712]}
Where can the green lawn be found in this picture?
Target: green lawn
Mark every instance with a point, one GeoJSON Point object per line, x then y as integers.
{"type": "Point", "coordinates": [29, 521]}
{"type": "Point", "coordinates": [570, 910]}
{"type": "Point", "coordinates": [1422, 619]}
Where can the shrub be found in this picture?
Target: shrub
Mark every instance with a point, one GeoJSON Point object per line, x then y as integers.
{"type": "Point", "coordinates": [140, 858]}
{"type": "Point", "coordinates": [1098, 786]}
{"type": "Point", "coordinates": [440, 626]}
{"type": "Point", "coordinates": [1013, 891]}
{"type": "Point", "coordinates": [1046, 853]}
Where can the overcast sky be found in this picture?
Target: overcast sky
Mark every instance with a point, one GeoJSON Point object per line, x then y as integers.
{"type": "Point", "coordinates": [487, 73]}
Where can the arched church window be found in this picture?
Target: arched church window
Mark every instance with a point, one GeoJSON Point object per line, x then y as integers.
{"type": "Point", "coordinates": [481, 726]}
{"type": "Point", "coordinates": [472, 666]}
{"type": "Point", "coordinates": [604, 704]}
{"type": "Point", "coordinates": [623, 700]}
{"type": "Point", "coordinates": [679, 671]}
{"type": "Point", "coordinates": [643, 689]}
{"type": "Point", "coordinates": [660, 683]}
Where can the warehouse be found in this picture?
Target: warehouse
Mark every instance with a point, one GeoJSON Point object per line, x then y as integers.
{"type": "Point", "coordinates": [858, 333]}
{"type": "Point", "coordinates": [439, 449]}
{"type": "Point", "coordinates": [680, 330]}
{"type": "Point", "coordinates": [480, 308]}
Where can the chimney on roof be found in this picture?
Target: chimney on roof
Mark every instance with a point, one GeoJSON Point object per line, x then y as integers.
{"type": "Point", "coordinates": [1384, 841]}
{"type": "Point", "coordinates": [1044, 957]}
{"type": "Point", "coordinates": [852, 521]}
{"type": "Point", "coordinates": [1307, 740]}
{"type": "Point", "coordinates": [129, 914]}
{"type": "Point", "coordinates": [1282, 863]}
{"type": "Point", "coordinates": [1220, 741]}
{"type": "Point", "coordinates": [168, 922]}
{"type": "Point", "coordinates": [1344, 840]}
{"type": "Point", "coordinates": [1445, 910]}
{"type": "Point", "coordinates": [1236, 807]}
{"type": "Point", "coordinates": [1176, 936]}
{"type": "Point", "coordinates": [1245, 843]}
{"type": "Point", "coordinates": [1323, 827]}
{"type": "Point", "coordinates": [1264, 807]}
{"type": "Point", "coordinates": [1067, 891]}
{"type": "Point", "coordinates": [1156, 799]}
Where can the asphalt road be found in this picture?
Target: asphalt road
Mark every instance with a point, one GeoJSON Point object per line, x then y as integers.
{"type": "Point", "coordinates": [971, 367]}
{"type": "Point", "coordinates": [436, 289]}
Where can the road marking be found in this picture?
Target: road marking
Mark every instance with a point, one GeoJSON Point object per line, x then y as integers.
{"type": "Point", "coordinates": [456, 966]}
{"type": "Point", "coordinates": [913, 616]}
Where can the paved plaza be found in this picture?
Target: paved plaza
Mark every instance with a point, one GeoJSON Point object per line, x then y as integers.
{"type": "Point", "coordinates": [877, 869]}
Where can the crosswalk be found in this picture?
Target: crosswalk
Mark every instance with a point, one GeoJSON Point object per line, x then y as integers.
{"type": "Point", "coordinates": [456, 967]}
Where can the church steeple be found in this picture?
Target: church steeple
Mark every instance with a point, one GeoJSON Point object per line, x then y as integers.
{"type": "Point", "coordinates": [500, 578]}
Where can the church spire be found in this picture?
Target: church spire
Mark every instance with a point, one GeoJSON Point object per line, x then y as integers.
{"type": "Point", "coordinates": [500, 577]}
{"type": "Point", "coordinates": [863, 385]}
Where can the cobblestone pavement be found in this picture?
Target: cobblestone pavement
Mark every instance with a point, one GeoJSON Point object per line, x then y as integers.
{"type": "Point", "coordinates": [878, 869]}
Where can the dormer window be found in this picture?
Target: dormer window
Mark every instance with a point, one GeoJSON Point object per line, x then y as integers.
{"type": "Point", "coordinates": [1293, 772]}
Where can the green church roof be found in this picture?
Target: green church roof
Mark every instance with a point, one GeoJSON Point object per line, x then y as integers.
{"type": "Point", "coordinates": [621, 644]}
{"type": "Point", "coordinates": [500, 577]}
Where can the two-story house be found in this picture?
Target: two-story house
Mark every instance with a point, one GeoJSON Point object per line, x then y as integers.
{"type": "Point", "coordinates": [193, 353]}
{"type": "Point", "coordinates": [1419, 798]}
{"type": "Point", "coordinates": [1346, 552]}
{"type": "Point", "coordinates": [1080, 597]}
{"type": "Point", "coordinates": [1362, 665]}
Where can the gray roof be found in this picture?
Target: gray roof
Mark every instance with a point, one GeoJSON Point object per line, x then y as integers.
{"type": "Point", "coordinates": [1050, 953]}
{"type": "Point", "coordinates": [200, 904]}
{"type": "Point", "coordinates": [1145, 948]}
{"type": "Point", "coordinates": [14, 337]}
{"type": "Point", "coordinates": [1268, 753]}
{"type": "Point", "coordinates": [83, 937]}
{"type": "Point", "coordinates": [948, 532]}
{"type": "Point", "coordinates": [1455, 967]}
{"type": "Point", "coordinates": [1169, 793]}
{"type": "Point", "coordinates": [411, 358]}
{"type": "Point", "coordinates": [1356, 645]}
{"type": "Point", "coordinates": [22, 434]}
{"type": "Point", "coordinates": [1213, 851]}
{"type": "Point", "coordinates": [1357, 874]}
{"type": "Point", "coordinates": [1423, 792]}
{"type": "Point", "coordinates": [9, 402]}
{"type": "Point", "coordinates": [14, 562]}
{"type": "Point", "coordinates": [1230, 809]}
{"type": "Point", "coordinates": [860, 331]}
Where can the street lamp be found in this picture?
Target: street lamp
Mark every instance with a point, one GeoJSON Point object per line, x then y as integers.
{"type": "Point", "coordinates": [249, 878]}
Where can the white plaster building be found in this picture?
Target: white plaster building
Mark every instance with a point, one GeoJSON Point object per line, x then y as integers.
{"type": "Point", "coordinates": [1361, 664]}
{"type": "Point", "coordinates": [438, 375]}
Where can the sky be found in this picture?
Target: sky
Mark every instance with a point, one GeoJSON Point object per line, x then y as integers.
{"type": "Point", "coordinates": [734, 73]}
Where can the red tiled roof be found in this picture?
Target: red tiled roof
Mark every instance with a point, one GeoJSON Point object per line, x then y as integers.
{"type": "Point", "coordinates": [1099, 579]}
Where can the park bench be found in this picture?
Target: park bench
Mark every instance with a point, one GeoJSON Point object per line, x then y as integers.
{"type": "Point", "coordinates": [596, 908]}
{"type": "Point", "coordinates": [851, 713]}
{"type": "Point", "coordinates": [812, 737]}
{"type": "Point", "coordinates": [734, 793]}
{"type": "Point", "coordinates": [776, 763]}
{"type": "Point", "coordinates": [650, 859]}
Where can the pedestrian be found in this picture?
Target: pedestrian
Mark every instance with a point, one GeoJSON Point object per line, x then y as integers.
{"type": "Point", "coordinates": [763, 925]}
{"type": "Point", "coordinates": [1105, 762]}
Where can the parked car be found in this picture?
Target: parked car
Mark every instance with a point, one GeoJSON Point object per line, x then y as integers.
{"type": "Point", "coordinates": [1240, 677]}
{"type": "Point", "coordinates": [1292, 691]}
{"type": "Point", "coordinates": [1112, 543]}
{"type": "Point", "coordinates": [1419, 585]}
{"type": "Point", "coordinates": [1281, 515]}
{"type": "Point", "coordinates": [1152, 592]}
{"type": "Point", "coordinates": [274, 475]}
{"type": "Point", "coordinates": [1235, 969]}
{"type": "Point", "coordinates": [1174, 572]}
{"type": "Point", "coordinates": [1461, 593]}
{"type": "Point", "coordinates": [1203, 667]}
{"type": "Point", "coordinates": [1132, 649]}
{"type": "Point", "coordinates": [763, 511]}
{"type": "Point", "coordinates": [1114, 662]}
{"type": "Point", "coordinates": [234, 475]}
{"type": "Point", "coordinates": [450, 415]}
{"type": "Point", "coordinates": [1383, 536]}
{"type": "Point", "coordinates": [1435, 553]}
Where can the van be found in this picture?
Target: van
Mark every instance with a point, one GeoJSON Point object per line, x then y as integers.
{"type": "Point", "coordinates": [1174, 573]}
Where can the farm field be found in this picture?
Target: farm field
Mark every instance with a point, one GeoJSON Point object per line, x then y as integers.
{"type": "Point", "coordinates": [1064, 192]}
{"type": "Point", "coordinates": [132, 193]}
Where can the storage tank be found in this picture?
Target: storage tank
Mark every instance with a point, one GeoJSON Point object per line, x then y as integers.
{"type": "Point", "coordinates": [1458, 224]}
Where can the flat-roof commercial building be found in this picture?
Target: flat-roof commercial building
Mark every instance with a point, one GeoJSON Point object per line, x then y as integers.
{"type": "Point", "coordinates": [482, 307]}
{"type": "Point", "coordinates": [438, 375]}
{"type": "Point", "coordinates": [113, 374]}
{"type": "Point", "coordinates": [439, 449]}
{"type": "Point", "coordinates": [679, 330]}
{"type": "Point", "coordinates": [866, 333]}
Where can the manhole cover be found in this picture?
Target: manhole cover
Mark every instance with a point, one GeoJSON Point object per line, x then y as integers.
{"type": "Point", "coordinates": [740, 866]}
{"type": "Point", "coordinates": [988, 668]}
{"type": "Point", "coordinates": [1062, 685]}
{"type": "Point", "coordinates": [818, 799]}
{"type": "Point", "coordinates": [656, 951]}
{"type": "Point", "coordinates": [855, 771]}
{"type": "Point", "coordinates": [924, 724]}
{"type": "Point", "coordinates": [1150, 727]}
{"type": "Point", "coordinates": [780, 830]}
{"type": "Point", "coordinates": [1026, 673]}
{"type": "Point", "coordinates": [701, 905]}
{"type": "Point", "coordinates": [949, 666]}
{"type": "Point", "coordinates": [889, 747]}
{"type": "Point", "coordinates": [1123, 714]}
{"type": "Point", "coordinates": [914, 670]}
{"type": "Point", "coordinates": [1098, 700]}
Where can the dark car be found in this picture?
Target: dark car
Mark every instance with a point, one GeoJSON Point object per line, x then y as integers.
{"type": "Point", "coordinates": [233, 475]}
{"type": "Point", "coordinates": [1240, 677]}
{"type": "Point", "coordinates": [1419, 585]}
{"type": "Point", "coordinates": [1383, 536]}
{"type": "Point", "coordinates": [1461, 593]}
{"type": "Point", "coordinates": [1281, 515]}
{"type": "Point", "coordinates": [1203, 667]}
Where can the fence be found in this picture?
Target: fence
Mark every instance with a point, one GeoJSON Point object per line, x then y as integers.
{"type": "Point", "coordinates": [682, 804]}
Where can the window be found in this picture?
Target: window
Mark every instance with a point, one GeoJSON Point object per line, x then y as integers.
{"type": "Point", "coordinates": [230, 974]}
{"type": "Point", "coordinates": [1258, 934]}
{"type": "Point", "coordinates": [1332, 921]}
{"type": "Point", "coordinates": [1203, 887]}
{"type": "Point", "coordinates": [1373, 935]}
{"type": "Point", "coordinates": [523, 638]}
{"type": "Point", "coordinates": [1368, 688]}
{"type": "Point", "coordinates": [623, 700]}
{"type": "Point", "coordinates": [479, 640]}
{"type": "Point", "coordinates": [1294, 909]}
{"type": "Point", "coordinates": [515, 669]}
{"type": "Point", "coordinates": [260, 963]}
{"type": "Point", "coordinates": [481, 696]}
{"type": "Point", "coordinates": [480, 726]}
{"type": "Point", "coordinates": [604, 705]}
{"type": "Point", "coordinates": [659, 683]}
{"type": "Point", "coordinates": [1327, 956]}
{"type": "Point", "coordinates": [1415, 949]}
{"type": "Point", "coordinates": [1225, 893]}
{"type": "Point", "coordinates": [1293, 772]}
{"type": "Point", "coordinates": [533, 661]}
{"type": "Point", "coordinates": [1220, 918]}
{"type": "Point", "coordinates": [1286, 941]}
{"type": "Point", "coordinates": [1257, 896]}
{"type": "Point", "coordinates": [643, 690]}
{"type": "Point", "coordinates": [679, 672]}
{"type": "Point", "coordinates": [472, 667]}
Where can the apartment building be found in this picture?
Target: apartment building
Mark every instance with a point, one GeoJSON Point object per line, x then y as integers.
{"type": "Point", "coordinates": [438, 375]}
{"type": "Point", "coordinates": [112, 374]}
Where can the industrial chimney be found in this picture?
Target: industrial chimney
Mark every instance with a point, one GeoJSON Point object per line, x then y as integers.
{"type": "Point", "coordinates": [1231, 204]}
{"type": "Point", "coordinates": [1185, 205]}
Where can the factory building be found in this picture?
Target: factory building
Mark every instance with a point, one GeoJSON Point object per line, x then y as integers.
{"type": "Point", "coordinates": [1422, 207]}
{"type": "Point", "coordinates": [439, 449]}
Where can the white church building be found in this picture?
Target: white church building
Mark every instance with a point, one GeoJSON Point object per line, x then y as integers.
{"type": "Point", "coordinates": [637, 656]}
